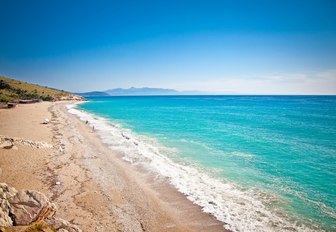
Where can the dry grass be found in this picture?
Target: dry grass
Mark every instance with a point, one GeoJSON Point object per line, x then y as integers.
{"type": "Point", "coordinates": [40, 227]}
{"type": "Point", "coordinates": [23, 90]}
{"type": "Point", "coordinates": [35, 227]}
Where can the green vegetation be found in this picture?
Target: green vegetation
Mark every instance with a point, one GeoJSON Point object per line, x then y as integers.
{"type": "Point", "coordinates": [11, 90]}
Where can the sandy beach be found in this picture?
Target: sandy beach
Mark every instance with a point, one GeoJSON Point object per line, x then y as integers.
{"type": "Point", "coordinates": [90, 184]}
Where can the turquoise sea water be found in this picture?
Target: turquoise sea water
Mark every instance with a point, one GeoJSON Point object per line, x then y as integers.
{"type": "Point", "coordinates": [276, 154]}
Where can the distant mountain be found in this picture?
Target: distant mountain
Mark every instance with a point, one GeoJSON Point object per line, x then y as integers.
{"type": "Point", "coordinates": [136, 92]}
{"type": "Point", "coordinates": [141, 91]}
{"type": "Point", "coordinates": [94, 94]}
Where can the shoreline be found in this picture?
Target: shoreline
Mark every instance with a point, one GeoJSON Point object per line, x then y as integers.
{"type": "Point", "coordinates": [251, 213]}
{"type": "Point", "coordinates": [98, 191]}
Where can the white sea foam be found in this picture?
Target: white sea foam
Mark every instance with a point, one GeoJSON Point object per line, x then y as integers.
{"type": "Point", "coordinates": [240, 209]}
{"type": "Point", "coordinates": [244, 155]}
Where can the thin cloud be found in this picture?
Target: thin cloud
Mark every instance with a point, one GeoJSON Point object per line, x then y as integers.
{"type": "Point", "coordinates": [292, 83]}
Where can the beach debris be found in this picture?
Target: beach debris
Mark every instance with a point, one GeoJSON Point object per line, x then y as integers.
{"type": "Point", "coordinates": [7, 142]}
{"type": "Point", "coordinates": [58, 183]}
{"type": "Point", "coordinates": [28, 208]}
{"type": "Point", "coordinates": [46, 121]}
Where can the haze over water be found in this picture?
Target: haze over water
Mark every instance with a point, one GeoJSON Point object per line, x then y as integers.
{"type": "Point", "coordinates": [267, 160]}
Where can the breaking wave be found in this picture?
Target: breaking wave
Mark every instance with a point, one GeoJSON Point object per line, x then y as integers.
{"type": "Point", "coordinates": [240, 209]}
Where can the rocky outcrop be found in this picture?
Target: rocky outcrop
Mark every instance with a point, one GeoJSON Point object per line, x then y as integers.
{"type": "Point", "coordinates": [30, 206]}
{"type": "Point", "coordinates": [71, 97]}
{"type": "Point", "coordinates": [26, 208]}
{"type": "Point", "coordinates": [6, 193]}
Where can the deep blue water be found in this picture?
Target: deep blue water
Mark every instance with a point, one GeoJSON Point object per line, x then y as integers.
{"type": "Point", "coordinates": [280, 148]}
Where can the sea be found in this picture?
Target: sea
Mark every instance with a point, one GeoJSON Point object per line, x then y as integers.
{"type": "Point", "coordinates": [256, 163]}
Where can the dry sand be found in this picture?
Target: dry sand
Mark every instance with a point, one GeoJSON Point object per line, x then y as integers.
{"type": "Point", "coordinates": [91, 185]}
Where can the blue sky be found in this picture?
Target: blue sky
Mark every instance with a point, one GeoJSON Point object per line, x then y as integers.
{"type": "Point", "coordinates": [233, 47]}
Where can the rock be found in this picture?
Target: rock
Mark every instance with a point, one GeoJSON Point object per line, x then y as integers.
{"type": "Point", "coordinates": [5, 220]}
{"type": "Point", "coordinates": [46, 121]}
{"type": "Point", "coordinates": [62, 225]}
{"type": "Point", "coordinates": [30, 206]}
{"type": "Point", "coordinates": [29, 210]}
{"type": "Point", "coordinates": [6, 192]}
{"type": "Point", "coordinates": [11, 105]}
{"type": "Point", "coordinates": [10, 142]}
{"type": "Point", "coordinates": [6, 144]}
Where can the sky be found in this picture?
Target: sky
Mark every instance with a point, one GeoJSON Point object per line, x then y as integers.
{"type": "Point", "coordinates": [224, 46]}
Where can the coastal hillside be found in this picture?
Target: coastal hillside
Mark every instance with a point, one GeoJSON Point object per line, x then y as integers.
{"type": "Point", "coordinates": [13, 90]}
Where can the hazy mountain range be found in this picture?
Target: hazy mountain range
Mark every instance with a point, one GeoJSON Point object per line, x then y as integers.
{"type": "Point", "coordinates": [138, 92]}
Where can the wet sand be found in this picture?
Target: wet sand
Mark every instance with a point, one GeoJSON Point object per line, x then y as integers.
{"type": "Point", "coordinates": [91, 185]}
